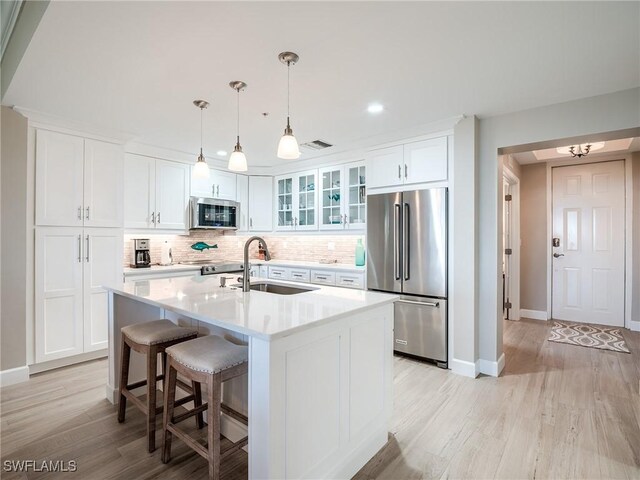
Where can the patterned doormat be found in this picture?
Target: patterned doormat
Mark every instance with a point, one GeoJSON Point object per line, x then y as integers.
{"type": "Point", "coordinates": [586, 335]}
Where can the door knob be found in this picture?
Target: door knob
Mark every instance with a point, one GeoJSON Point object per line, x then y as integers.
{"type": "Point", "coordinates": [557, 255]}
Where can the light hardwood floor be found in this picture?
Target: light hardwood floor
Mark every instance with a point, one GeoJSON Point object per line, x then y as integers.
{"type": "Point", "coordinates": [557, 411]}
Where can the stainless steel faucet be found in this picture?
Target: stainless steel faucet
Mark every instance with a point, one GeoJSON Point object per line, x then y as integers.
{"type": "Point", "coordinates": [246, 274]}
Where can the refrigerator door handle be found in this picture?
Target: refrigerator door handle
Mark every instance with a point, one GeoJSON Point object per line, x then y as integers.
{"type": "Point", "coordinates": [396, 241]}
{"type": "Point", "coordinates": [405, 240]}
{"type": "Point", "coordinates": [425, 304]}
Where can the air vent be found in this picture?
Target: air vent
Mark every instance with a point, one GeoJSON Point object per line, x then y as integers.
{"type": "Point", "coordinates": [316, 145]}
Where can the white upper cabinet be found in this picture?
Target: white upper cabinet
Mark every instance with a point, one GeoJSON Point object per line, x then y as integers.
{"type": "Point", "coordinates": [172, 186]}
{"type": "Point", "coordinates": [78, 181]}
{"type": "Point", "coordinates": [342, 193]}
{"type": "Point", "coordinates": [425, 161]}
{"type": "Point", "coordinates": [156, 193]}
{"type": "Point", "coordinates": [296, 201]}
{"type": "Point", "coordinates": [59, 179]}
{"type": "Point", "coordinates": [220, 184]}
{"type": "Point", "coordinates": [260, 204]}
{"type": "Point", "coordinates": [242, 197]}
{"type": "Point", "coordinates": [384, 167]}
{"type": "Point", "coordinates": [103, 184]}
{"type": "Point", "coordinates": [413, 163]}
{"type": "Point", "coordinates": [139, 192]}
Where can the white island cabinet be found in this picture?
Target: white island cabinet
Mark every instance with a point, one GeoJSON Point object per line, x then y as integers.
{"type": "Point", "coordinates": [319, 389]}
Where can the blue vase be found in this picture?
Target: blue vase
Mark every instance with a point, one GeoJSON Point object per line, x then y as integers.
{"type": "Point", "coordinates": [359, 253]}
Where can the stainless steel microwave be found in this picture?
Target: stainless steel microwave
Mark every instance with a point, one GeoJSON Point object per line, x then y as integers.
{"type": "Point", "coordinates": [213, 213]}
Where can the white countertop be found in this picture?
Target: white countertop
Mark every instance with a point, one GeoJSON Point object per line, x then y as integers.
{"type": "Point", "coordinates": [259, 314]}
{"type": "Point", "coordinates": [180, 267]}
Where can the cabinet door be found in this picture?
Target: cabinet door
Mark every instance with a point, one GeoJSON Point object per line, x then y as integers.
{"type": "Point", "coordinates": [284, 202]}
{"type": "Point", "coordinates": [385, 167]}
{"type": "Point", "coordinates": [305, 201]}
{"type": "Point", "coordinates": [102, 260]}
{"type": "Point", "coordinates": [242, 197]}
{"type": "Point", "coordinates": [425, 161]}
{"type": "Point", "coordinates": [59, 179]}
{"type": "Point", "coordinates": [224, 185]}
{"type": "Point", "coordinates": [58, 292]}
{"type": "Point", "coordinates": [355, 196]}
{"type": "Point", "coordinates": [260, 204]}
{"type": "Point", "coordinates": [103, 184]}
{"type": "Point", "coordinates": [139, 191]}
{"type": "Point", "coordinates": [172, 187]}
{"type": "Point", "coordinates": [331, 204]}
{"type": "Point", "coordinates": [201, 187]}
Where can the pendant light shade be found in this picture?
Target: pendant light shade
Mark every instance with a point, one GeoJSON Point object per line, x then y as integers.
{"type": "Point", "coordinates": [201, 169]}
{"type": "Point", "coordinates": [288, 146]}
{"type": "Point", "coordinates": [237, 159]}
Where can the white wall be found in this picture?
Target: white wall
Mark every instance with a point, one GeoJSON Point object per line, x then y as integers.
{"type": "Point", "coordinates": [604, 113]}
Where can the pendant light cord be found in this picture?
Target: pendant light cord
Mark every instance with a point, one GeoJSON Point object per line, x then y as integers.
{"type": "Point", "coordinates": [238, 124]}
{"type": "Point", "coordinates": [288, 88]}
{"type": "Point", "coordinates": [201, 128]}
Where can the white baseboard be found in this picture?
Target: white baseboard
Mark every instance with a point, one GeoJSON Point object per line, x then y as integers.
{"type": "Point", "coordinates": [634, 325]}
{"type": "Point", "coordinates": [232, 428]}
{"type": "Point", "coordinates": [12, 376]}
{"type": "Point", "coordinates": [493, 369]}
{"type": "Point", "coordinates": [65, 362]}
{"type": "Point", "coordinates": [464, 368]}
{"type": "Point", "coordinates": [534, 314]}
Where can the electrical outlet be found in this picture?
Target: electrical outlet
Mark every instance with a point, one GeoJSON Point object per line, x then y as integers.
{"type": "Point", "coordinates": [331, 246]}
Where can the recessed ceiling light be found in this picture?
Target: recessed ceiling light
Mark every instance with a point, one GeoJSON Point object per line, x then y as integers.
{"type": "Point", "coordinates": [221, 153]}
{"type": "Point", "coordinates": [375, 108]}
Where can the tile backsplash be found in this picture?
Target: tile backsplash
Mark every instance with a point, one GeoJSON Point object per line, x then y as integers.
{"type": "Point", "coordinates": [310, 248]}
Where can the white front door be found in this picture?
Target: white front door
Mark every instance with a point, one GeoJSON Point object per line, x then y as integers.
{"type": "Point", "coordinates": [588, 264]}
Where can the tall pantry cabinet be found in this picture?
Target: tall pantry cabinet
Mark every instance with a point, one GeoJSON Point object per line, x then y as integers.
{"type": "Point", "coordinates": [78, 241]}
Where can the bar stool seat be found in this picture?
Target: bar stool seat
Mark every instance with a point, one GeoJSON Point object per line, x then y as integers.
{"type": "Point", "coordinates": [210, 360]}
{"type": "Point", "coordinates": [150, 339]}
{"type": "Point", "coordinates": [156, 331]}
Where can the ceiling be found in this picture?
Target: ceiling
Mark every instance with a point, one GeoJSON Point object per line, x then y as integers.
{"type": "Point", "coordinates": [135, 67]}
{"type": "Point", "coordinates": [619, 146]}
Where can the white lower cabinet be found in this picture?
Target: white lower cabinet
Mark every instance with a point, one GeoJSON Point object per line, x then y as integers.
{"type": "Point", "coordinates": [71, 305]}
{"type": "Point", "coordinates": [350, 280]}
{"type": "Point", "coordinates": [322, 277]}
{"type": "Point", "coordinates": [299, 275]}
{"type": "Point", "coordinates": [280, 273]}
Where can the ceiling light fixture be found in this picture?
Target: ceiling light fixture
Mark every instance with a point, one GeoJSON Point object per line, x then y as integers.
{"type": "Point", "coordinates": [201, 169]}
{"type": "Point", "coordinates": [238, 160]}
{"type": "Point", "coordinates": [581, 150]}
{"type": "Point", "coordinates": [375, 108]}
{"type": "Point", "coordinates": [288, 146]}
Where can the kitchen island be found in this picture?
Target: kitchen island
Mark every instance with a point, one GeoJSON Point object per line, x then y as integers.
{"type": "Point", "coordinates": [319, 388]}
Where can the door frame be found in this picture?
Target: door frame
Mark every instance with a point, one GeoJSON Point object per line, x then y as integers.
{"type": "Point", "coordinates": [628, 228]}
{"type": "Point", "coordinates": [514, 279]}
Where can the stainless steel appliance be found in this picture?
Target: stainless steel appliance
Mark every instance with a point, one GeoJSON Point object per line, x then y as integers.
{"type": "Point", "coordinates": [407, 255]}
{"type": "Point", "coordinates": [140, 257]}
{"type": "Point", "coordinates": [213, 213]}
{"type": "Point", "coordinates": [213, 267]}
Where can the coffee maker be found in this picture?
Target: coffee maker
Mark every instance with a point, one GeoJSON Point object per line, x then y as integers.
{"type": "Point", "coordinates": [141, 256]}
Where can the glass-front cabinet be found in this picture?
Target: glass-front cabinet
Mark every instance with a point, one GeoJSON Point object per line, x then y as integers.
{"type": "Point", "coordinates": [342, 196]}
{"type": "Point", "coordinates": [296, 203]}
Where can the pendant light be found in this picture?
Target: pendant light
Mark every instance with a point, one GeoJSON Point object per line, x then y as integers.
{"type": "Point", "coordinates": [201, 169]}
{"type": "Point", "coordinates": [238, 160]}
{"type": "Point", "coordinates": [288, 147]}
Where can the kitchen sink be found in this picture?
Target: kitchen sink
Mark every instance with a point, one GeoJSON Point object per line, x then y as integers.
{"type": "Point", "coordinates": [277, 288]}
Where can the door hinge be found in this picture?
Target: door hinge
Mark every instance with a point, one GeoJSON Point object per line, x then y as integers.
{"type": "Point", "coordinates": [507, 304]}
{"type": "Point", "coordinates": [508, 251]}
{"type": "Point", "coordinates": [508, 197]}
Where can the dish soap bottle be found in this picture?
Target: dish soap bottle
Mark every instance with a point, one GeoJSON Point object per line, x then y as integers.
{"type": "Point", "coordinates": [359, 253]}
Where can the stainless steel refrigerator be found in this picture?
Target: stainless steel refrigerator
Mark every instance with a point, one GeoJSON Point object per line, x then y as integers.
{"type": "Point", "coordinates": [407, 255]}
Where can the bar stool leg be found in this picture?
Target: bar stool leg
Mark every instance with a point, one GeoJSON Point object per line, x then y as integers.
{"type": "Point", "coordinates": [152, 372]}
{"type": "Point", "coordinates": [214, 390]}
{"type": "Point", "coordinates": [163, 365]}
{"type": "Point", "coordinates": [169, 400]}
{"type": "Point", "coordinates": [197, 401]}
{"type": "Point", "coordinates": [125, 357]}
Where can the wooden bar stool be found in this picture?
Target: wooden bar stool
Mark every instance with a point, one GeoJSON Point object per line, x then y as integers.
{"type": "Point", "coordinates": [210, 360]}
{"type": "Point", "coordinates": [150, 339]}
